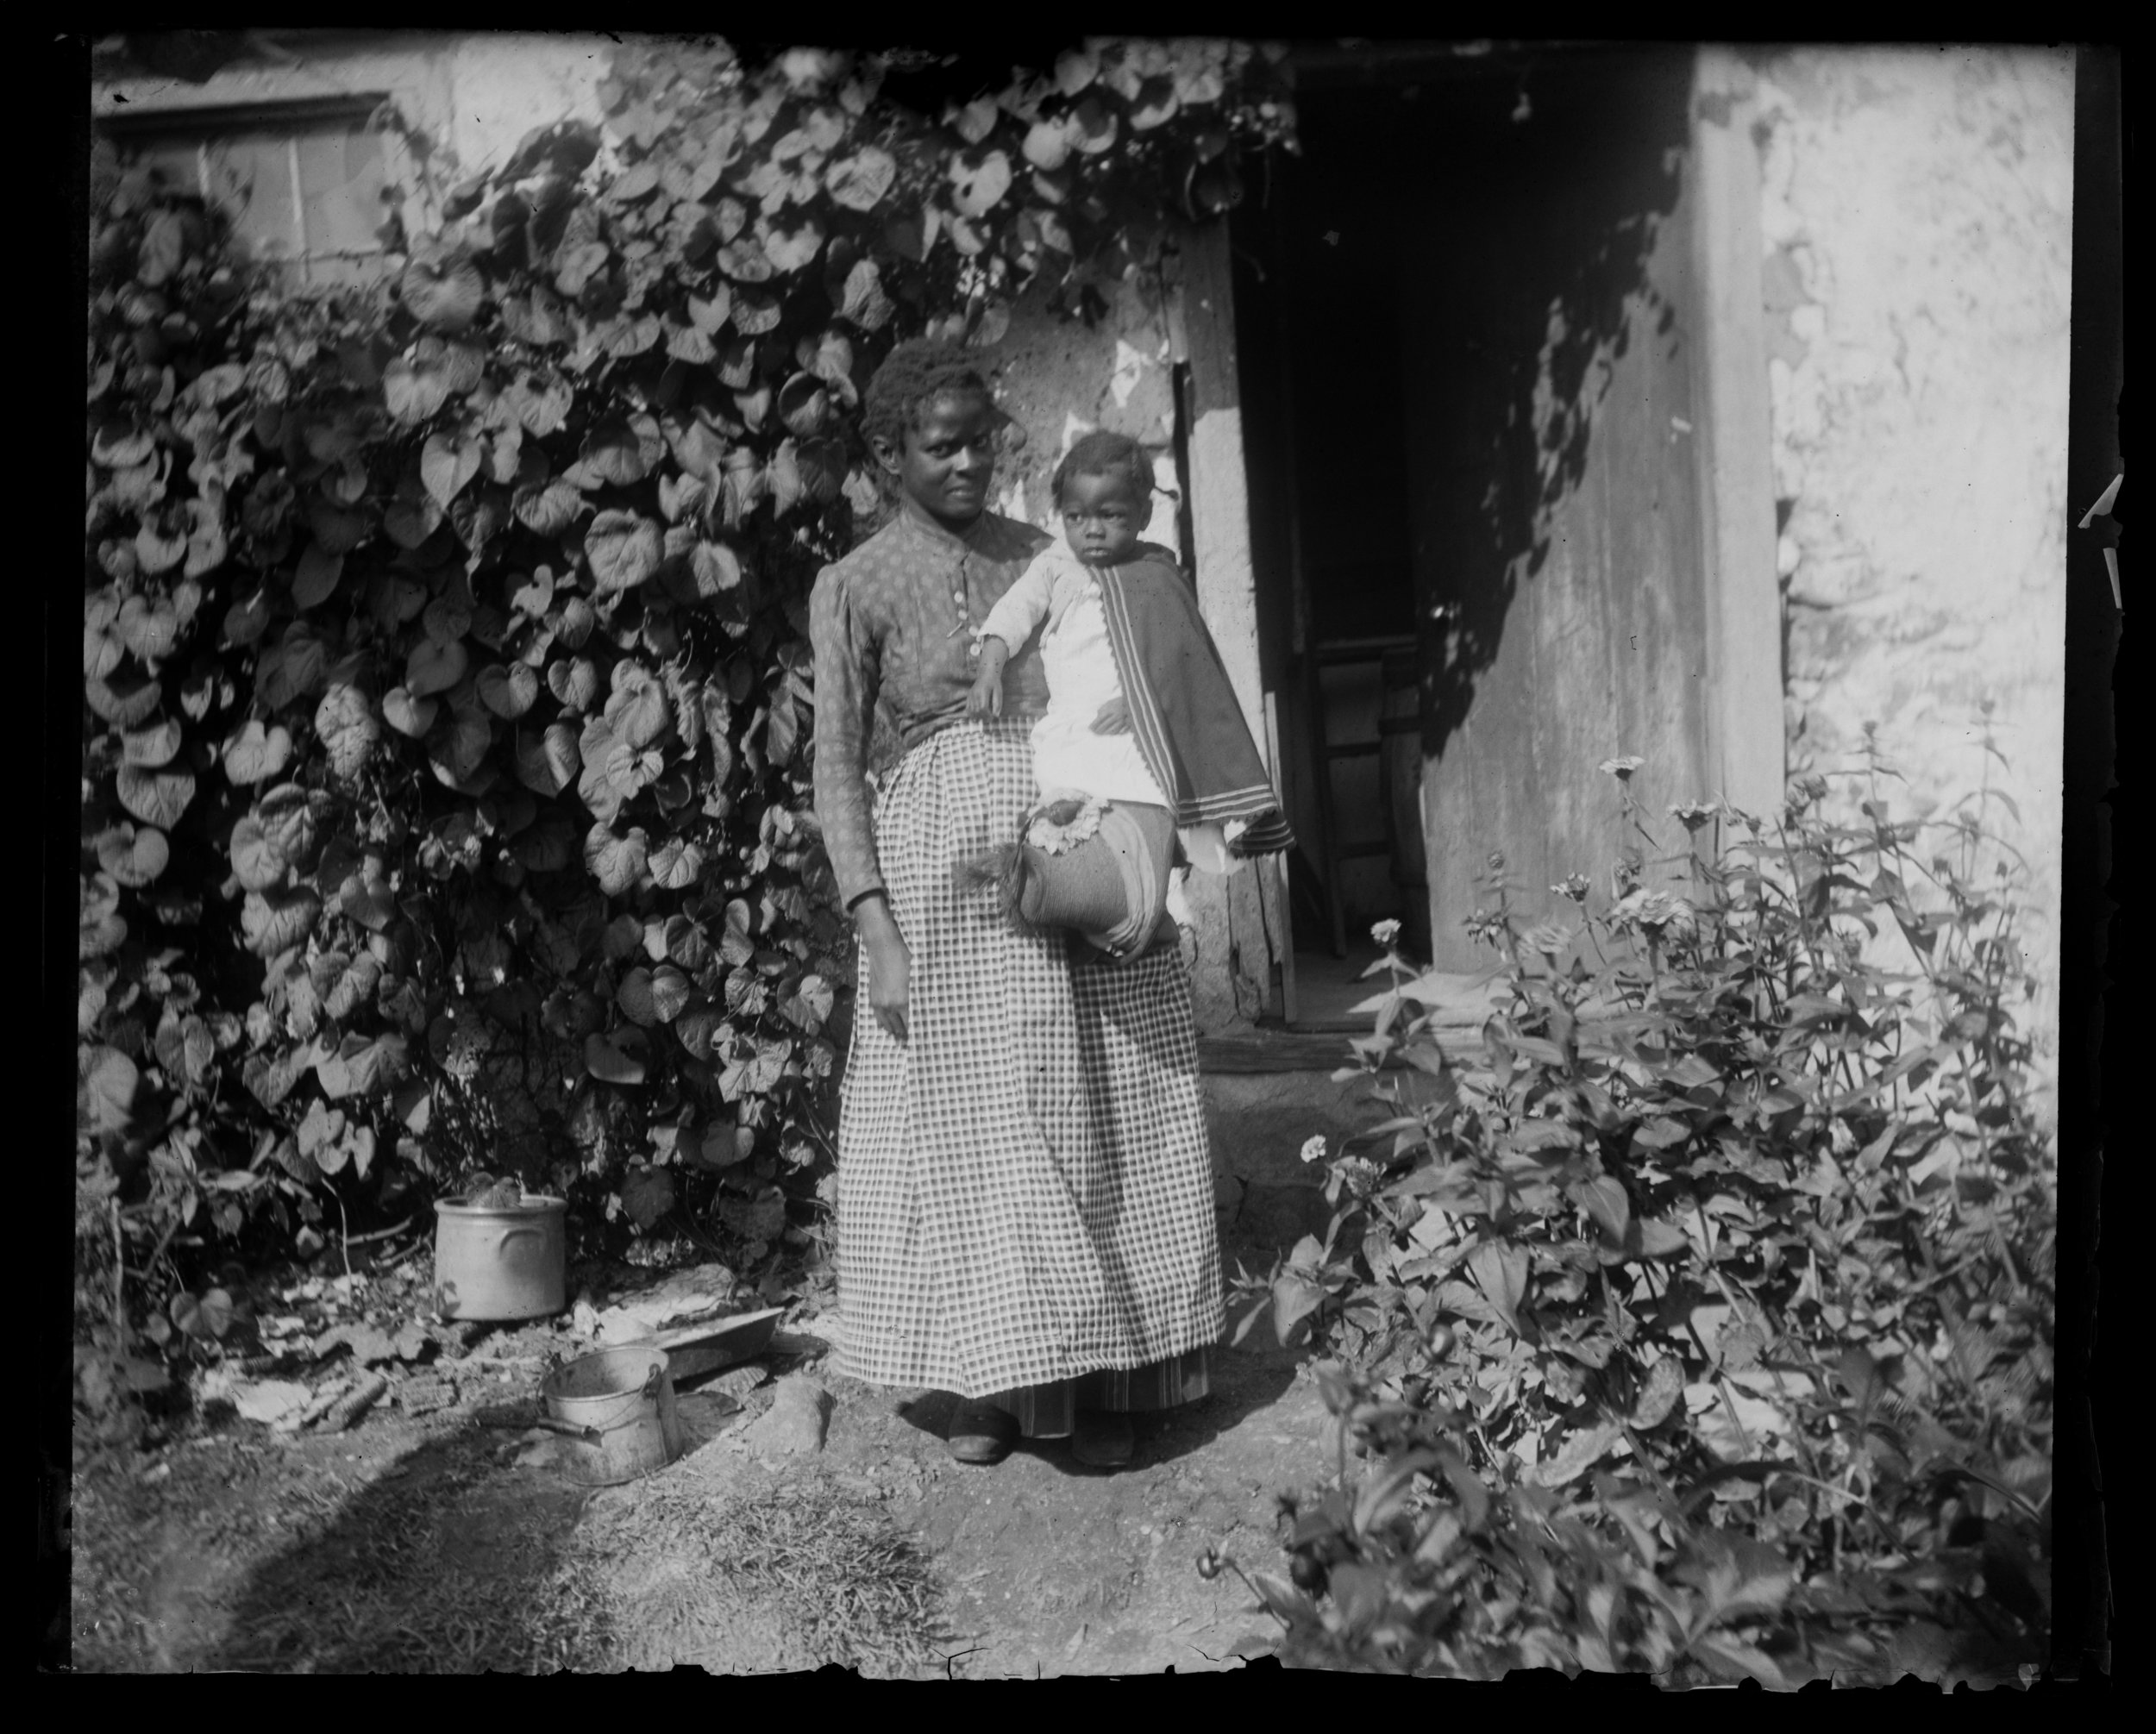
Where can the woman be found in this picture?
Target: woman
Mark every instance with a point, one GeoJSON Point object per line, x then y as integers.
{"type": "Point", "coordinates": [1025, 1195]}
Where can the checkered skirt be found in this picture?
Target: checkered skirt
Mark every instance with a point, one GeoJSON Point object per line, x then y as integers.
{"type": "Point", "coordinates": [1025, 1193]}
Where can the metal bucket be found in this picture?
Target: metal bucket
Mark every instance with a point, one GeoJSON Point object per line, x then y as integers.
{"type": "Point", "coordinates": [618, 1407]}
{"type": "Point", "coordinates": [500, 1263]}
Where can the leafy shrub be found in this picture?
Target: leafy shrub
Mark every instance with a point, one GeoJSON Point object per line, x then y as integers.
{"type": "Point", "coordinates": [1708, 1329]}
{"type": "Point", "coordinates": [446, 805]}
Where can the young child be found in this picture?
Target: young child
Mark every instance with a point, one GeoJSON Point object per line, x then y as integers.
{"type": "Point", "coordinates": [1142, 746]}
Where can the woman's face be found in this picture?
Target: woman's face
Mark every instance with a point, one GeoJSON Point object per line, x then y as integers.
{"type": "Point", "coordinates": [948, 457]}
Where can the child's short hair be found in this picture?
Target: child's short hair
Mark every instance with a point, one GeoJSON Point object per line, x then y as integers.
{"type": "Point", "coordinates": [1103, 454]}
{"type": "Point", "coordinates": [913, 376]}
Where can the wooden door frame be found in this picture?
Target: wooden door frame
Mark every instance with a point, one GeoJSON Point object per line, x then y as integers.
{"type": "Point", "coordinates": [1733, 443]}
{"type": "Point", "coordinates": [1241, 919]}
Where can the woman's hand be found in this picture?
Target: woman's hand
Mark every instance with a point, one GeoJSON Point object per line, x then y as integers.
{"type": "Point", "coordinates": [1114, 717]}
{"type": "Point", "coordinates": [890, 964]}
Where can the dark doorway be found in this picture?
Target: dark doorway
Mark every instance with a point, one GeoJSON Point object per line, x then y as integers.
{"type": "Point", "coordinates": [1475, 518]}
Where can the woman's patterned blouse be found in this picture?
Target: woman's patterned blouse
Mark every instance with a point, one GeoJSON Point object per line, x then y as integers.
{"type": "Point", "coordinates": [894, 625]}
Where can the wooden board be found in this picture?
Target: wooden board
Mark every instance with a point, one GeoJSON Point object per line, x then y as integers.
{"type": "Point", "coordinates": [1550, 335]}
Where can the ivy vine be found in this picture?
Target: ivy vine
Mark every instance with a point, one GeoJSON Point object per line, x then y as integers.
{"type": "Point", "coordinates": [447, 684]}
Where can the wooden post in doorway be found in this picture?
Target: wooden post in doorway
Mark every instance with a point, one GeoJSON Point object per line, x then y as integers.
{"type": "Point", "coordinates": [1735, 458]}
{"type": "Point", "coordinates": [1242, 919]}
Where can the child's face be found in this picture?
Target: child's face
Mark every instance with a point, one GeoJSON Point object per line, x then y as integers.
{"type": "Point", "coordinates": [1103, 518]}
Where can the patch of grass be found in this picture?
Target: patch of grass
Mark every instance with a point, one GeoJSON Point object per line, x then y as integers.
{"type": "Point", "coordinates": [812, 1576]}
{"type": "Point", "coordinates": [247, 1558]}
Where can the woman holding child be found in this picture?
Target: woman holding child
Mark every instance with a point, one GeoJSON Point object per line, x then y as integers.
{"type": "Point", "coordinates": [1026, 1209]}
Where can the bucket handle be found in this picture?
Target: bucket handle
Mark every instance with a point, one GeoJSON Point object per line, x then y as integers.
{"type": "Point", "coordinates": [575, 1430]}
{"type": "Point", "coordinates": [631, 1410]}
{"type": "Point", "coordinates": [510, 1234]}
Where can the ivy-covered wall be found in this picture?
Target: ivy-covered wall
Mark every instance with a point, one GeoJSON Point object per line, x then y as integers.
{"type": "Point", "coordinates": [1917, 224]}
{"type": "Point", "coordinates": [445, 806]}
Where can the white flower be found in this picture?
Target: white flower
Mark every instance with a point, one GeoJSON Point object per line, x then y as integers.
{"type": "Point", "coordinates": [1313, 1149]}
{"type": "Point", "coordinates": [1385, 932]}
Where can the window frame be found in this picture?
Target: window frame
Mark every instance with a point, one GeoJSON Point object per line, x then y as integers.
{"type": "Point", "coordinates": [289, 117]}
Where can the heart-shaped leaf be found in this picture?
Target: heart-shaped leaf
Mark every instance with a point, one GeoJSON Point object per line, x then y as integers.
{"type": "Point", "coordinates": [155, 796]}
{"type": "Point", "coordinates": [413, 393]}
{"type": "Point", "coordinates": [790, 249]}
{"type": "Point", "coordinates": [457, 749]}
{"type": "Point", "coordinates": [434, 667]}
{"type": "Point", "coordinates": [148, 629]}
{"type": "Point", "coordinates": [685, 942]}
{"type": "Point", "coordinates": [108, 1088]}
{"type": "Point", "coordinates": [858, 182]}
{"type": "Point", "coordinates": [362, 1065]}
{"type": "Point", "coordinates": [548, 846]}
{"type": "Point", "coordinates": [345, 722]}
{"type": "Point", "coordinates": [338, 529]}
{"type": "Point", "coordinates": [979, 180]}
{"type": "Point", "coordinates": [366, 898]}
{"type": "Point", "coordinates": [412, 518]}
{"type": "Point", "coordinates": [161, 542]}
{"type": "Point", "coordinates": [446, 619]}
{"type": "Point", "coordinates": [132, 857]}
{"type": "Point", "coordinates": [442, 289]}
{"type": "Point", "coordinates": [609, 1064]}
{"type": "Point", "coordinates": [647, 1194]}
{"type": "Point", "coordinates": [154, 746]}
{"type": "Point", "coordinates": [258, 861]}
{"type": "Point", "coordinates": [1047, 145]}
{"type": "Point", "coordinates": [682, 496]}
{"type": "Point", "coordinates": [616, 863]}
{"type": "Point", "coordinates": [575, 683]}
{"type": "Point", "coordinates": [638, 709]}
{"type": "Point", "coordinates": [628, 769]}
{"type": "Point", "coordinates": [102, 647]}
{"type": "Point", "coordinates": [446, 463]}
{"type": "Point", "coordinates": [613, 453]}
{"type": "Point", "coordinates": [634, 997]}
{"type": "Point", "coordinates": [352, 986]}
{"type": "Point", "coordinates": [574, 625]}
{"type": "Point", "coordinates": [510, 690]}
{"type": "Point", "coordinates": [122, 445]}
{"type": "Point", "coordinates": [278, 921]}
{"type": "Point", "coordinates": [407, 715]}
{"type": "Point", "coordinates": [124, 703]}
{"type": "Point", "coordinates": [315, 580]}
{"type": "Point", "coordinates": [623, 549]}
{"type": "Point", "coordinates": [548, 763]}
{"type": "Point", "coordinates": [756, 313]}
{"type": "Point", "coordinates": [810, 1004]}
{"type": "Point", "coordinates": [708, 316]}
{"type": "Point", "coordinates": [676, 864]}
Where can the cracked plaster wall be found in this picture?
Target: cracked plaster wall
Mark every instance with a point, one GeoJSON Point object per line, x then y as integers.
{"type": "Point", "coordinates": [1917, 224]}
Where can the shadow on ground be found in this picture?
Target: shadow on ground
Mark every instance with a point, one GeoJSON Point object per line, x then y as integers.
{"type": "Point", "coordinates": [422, 1546]}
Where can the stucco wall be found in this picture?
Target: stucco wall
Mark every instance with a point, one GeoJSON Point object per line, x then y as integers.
{"type": "Point", "coordinates": [1917, 230]}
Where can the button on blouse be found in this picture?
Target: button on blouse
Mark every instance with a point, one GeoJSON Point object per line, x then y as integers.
{"type": "Point", "coordinates": [893, 626]}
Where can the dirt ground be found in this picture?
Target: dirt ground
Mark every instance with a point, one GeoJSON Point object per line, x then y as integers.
{"type": "Point", "coordinates": [447, 1541]}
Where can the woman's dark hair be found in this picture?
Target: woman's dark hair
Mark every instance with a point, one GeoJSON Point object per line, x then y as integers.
{"type": "Point", "coordinates": [913, 376]}
{"type": "Point", "coordinates": [1102, 454]}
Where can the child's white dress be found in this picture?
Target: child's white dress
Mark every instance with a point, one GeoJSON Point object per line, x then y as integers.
{"type": "Point", "coordinates": [1058, 596]}
{"type": "Point", "coordinates": [1068, 757]}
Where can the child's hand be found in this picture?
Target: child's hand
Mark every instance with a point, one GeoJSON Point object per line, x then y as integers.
{"type": "Point", "coordinates": [1114, 717]}
{"type": "Point", "coordinates": [986, 699]}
